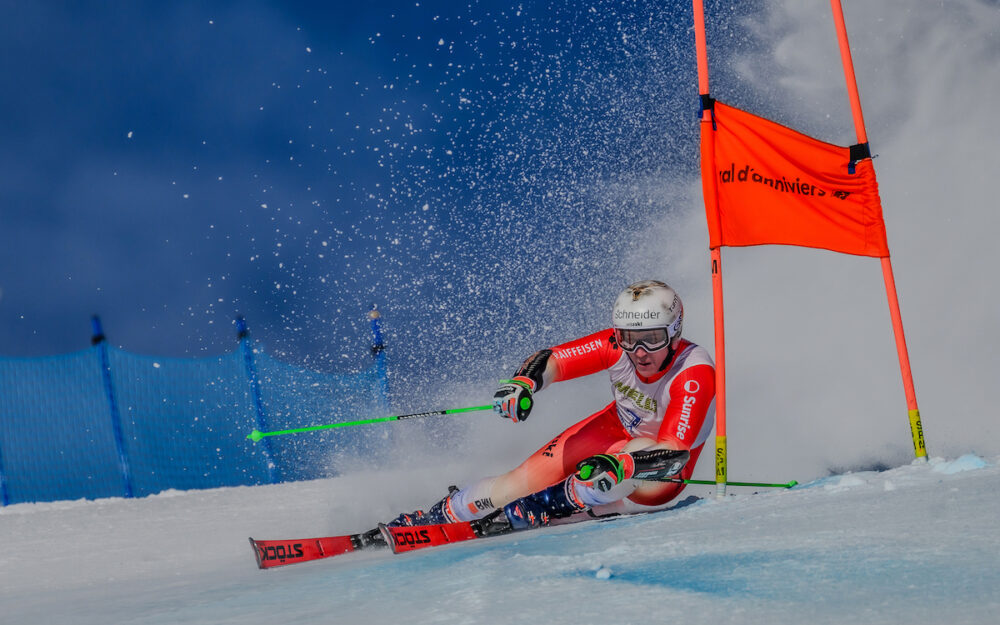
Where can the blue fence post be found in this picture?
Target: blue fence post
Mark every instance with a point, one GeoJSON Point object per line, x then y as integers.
{"type": "Point", "coordinates": [4, 496]}
{"type": "Point", "coordinates": [243, 335]}
{"type": "Point", "coordinates": [378, 353]}
{"type": "Point", "coordinates": [98, 340]}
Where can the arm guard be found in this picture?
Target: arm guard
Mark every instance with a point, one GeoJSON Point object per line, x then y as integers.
{"type": "Point", "coordinates": [534, 368]}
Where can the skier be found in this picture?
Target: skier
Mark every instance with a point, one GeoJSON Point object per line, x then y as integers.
{"type": "Point", "coordinates": [613, 461]}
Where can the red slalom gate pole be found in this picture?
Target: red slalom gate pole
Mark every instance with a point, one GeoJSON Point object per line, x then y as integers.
{"type": "Point", "coordinates": [916, 428]}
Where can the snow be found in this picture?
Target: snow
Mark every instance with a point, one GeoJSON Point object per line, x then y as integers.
{"type": "Point", "coordinates": [917, 544]}
{"type": "Point", "coordinates": [968, 462]}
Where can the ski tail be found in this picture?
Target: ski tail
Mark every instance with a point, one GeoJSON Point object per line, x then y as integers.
{"type": "Point", "coordinates": [272, 553]}
{"type": "Point", "coordinates": [409, 537]}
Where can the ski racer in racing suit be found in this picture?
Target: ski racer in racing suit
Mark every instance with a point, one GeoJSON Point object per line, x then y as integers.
{"type": "Point", "coordinates": [618, 459]}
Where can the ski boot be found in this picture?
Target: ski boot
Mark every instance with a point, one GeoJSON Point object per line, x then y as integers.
{"type": "Point", "coordinates": [538, 509]}
{"type": "Point", "coordinates": [437, 514]}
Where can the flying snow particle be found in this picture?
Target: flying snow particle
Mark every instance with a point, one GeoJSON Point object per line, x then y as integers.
{"type": "Point", "coordinates": [440, 42]}
{"type": "Point", "coordinates": [129, 135]}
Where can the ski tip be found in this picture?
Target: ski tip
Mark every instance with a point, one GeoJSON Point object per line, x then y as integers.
{"type": "Point", "coordinates": [256, 553]}
{"type": "Point", "coordinates": [387, 536]}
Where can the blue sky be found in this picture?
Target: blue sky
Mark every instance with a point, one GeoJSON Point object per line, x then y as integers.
{"type": "Point", "coordinates": [473, 169]}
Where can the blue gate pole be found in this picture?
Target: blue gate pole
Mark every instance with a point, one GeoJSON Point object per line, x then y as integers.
{"type": "Point", "coordinates": [378, 352]}
{"type": "Point", "coordinates": [99, 341]}
{"type": "Point", "coordinates": [243, 335]}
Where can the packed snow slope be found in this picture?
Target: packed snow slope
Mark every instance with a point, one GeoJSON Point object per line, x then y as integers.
{"type": "Point", "coordinates": [915, 544]}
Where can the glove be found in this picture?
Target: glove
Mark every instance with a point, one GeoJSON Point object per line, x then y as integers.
{"type": "Point", "coordinates": [513, 399]}
{"type": "Point", "coordinates": [605, 471]}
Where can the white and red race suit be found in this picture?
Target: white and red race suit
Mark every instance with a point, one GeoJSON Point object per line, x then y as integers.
{"type": "Point", "coordinates": [675, 407]}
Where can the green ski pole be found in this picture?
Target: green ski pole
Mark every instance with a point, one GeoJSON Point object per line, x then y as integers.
{"type": "Point", "coordinates": [256, 435]}
{"type": "Point", "coordinates": [753, 484]}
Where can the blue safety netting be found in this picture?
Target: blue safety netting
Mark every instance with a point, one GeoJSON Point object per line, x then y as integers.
{"type": "Point", "coordinates": [56, 439]}
{"type": "Point", "coordinates": [294, 398]}
{"type": "Point", "coordinates": [71, 429]}
{"type": "Point", "coordinates": [185, 421]}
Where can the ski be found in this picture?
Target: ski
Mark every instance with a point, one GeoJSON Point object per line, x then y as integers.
{"type": "Point", "coordinates": [272, 553]}
{"type": "Point", "coordinates": [401, 539]}
{"type": "Point", "coordinates": [409, 537]}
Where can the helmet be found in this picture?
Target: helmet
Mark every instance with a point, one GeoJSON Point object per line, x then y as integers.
{"type": "Point", "coordinates": [647, 313]}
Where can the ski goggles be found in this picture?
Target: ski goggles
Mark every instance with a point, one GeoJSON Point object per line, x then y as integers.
{"type": "Point", "coordinates": [650, 339]}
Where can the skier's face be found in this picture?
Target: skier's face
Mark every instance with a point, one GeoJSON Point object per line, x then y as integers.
{"type": "Point", "coordinates": [647, 364]}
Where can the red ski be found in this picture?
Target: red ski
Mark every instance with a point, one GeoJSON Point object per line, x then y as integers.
{"type": "Point", "coordinates": [410, 537]}
{"type": "Point", "coordinates": [272, 553]}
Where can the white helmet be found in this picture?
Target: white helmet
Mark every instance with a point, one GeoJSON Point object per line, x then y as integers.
{"type": "Point", "coordinates": [647, 313]}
